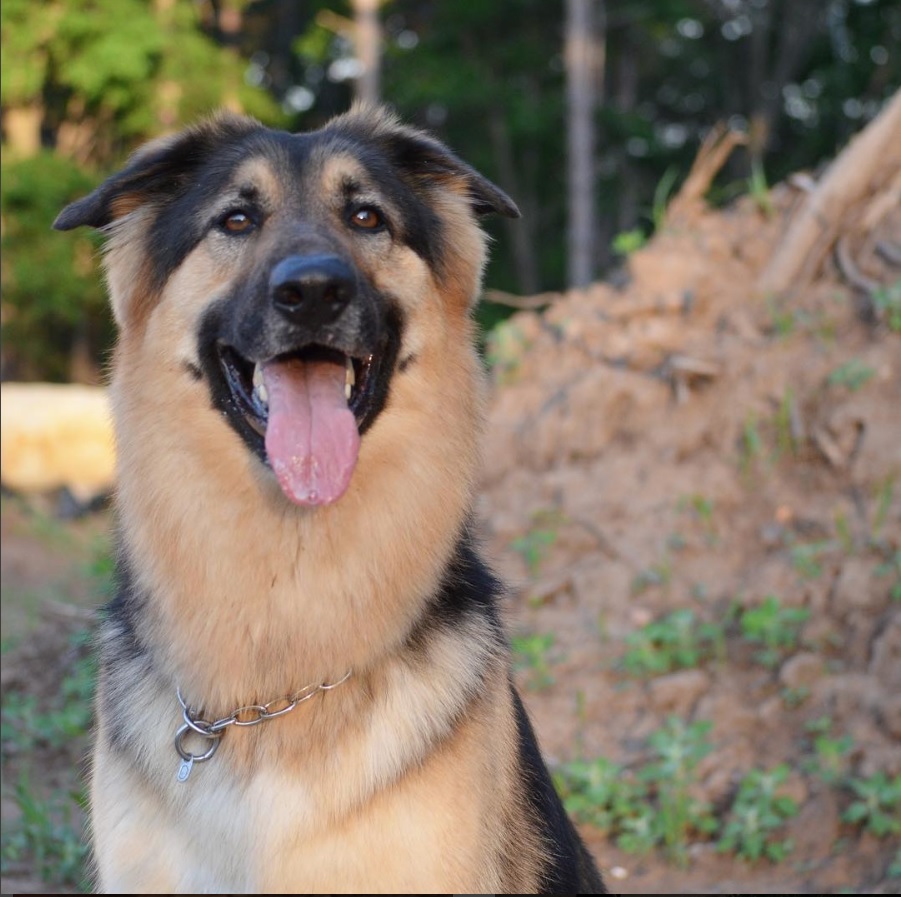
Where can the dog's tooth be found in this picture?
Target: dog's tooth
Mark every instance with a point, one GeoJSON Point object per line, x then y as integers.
{"type": "Point", "coordinates": [350, 378]}
{"type": "Point", "coordinates": [259, 387]}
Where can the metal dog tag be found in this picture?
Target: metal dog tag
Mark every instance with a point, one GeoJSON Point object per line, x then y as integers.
{"type": "Point", "coordinates": [185, 769]}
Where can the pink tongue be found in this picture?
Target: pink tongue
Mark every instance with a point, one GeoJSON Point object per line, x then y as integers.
{"type": "Point", "coordinates": [311, 438]}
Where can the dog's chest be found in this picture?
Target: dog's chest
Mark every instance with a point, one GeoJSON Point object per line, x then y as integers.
{"type": "Point", "coordinates": [272, 835]}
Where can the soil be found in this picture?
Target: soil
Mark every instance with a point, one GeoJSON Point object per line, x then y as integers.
{"type": "Point", "coordinates": [683, 440]}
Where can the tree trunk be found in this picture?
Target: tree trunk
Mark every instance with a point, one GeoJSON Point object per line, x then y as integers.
{"type": "Point", "coordinates": [866, 164]}
{"type": "Point", "coordinates": [368, 45]}
{"type": "Point", "coordinates": [521, 233]}
{"type": "Point", "coordinates": [582, 67]}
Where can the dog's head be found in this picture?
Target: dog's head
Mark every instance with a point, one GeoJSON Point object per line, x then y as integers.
{"type": "Point", "coordinates": [295, 274]}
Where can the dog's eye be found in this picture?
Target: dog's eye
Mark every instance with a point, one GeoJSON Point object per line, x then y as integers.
{"type": "Point", "coordinates": [237, 222]}
{"type": "Point", "coordinates": [367, 218]}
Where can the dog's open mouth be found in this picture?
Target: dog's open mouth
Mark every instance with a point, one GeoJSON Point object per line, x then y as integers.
{"type": "Point", "coordinates": [307, 409]}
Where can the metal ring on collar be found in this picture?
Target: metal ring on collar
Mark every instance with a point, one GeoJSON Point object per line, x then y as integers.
{"type": "Point", "coordinates": [186, 754]}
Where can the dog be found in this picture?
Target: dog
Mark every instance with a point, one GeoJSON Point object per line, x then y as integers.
{"type": "Point", "coordinates": [304, 682]}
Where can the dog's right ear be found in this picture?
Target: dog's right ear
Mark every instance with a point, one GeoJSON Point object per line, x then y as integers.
{"type": "Point", "coordinates": [161, 168]}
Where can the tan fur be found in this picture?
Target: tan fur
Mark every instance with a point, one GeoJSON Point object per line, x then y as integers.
{"type": "Point", "coordinates": [404, 778]}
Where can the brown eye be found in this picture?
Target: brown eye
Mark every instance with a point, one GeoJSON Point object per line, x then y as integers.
{"type": "Point", "coordinates": [237, 223]}
{"type": "Point", "coordinates": [366, 219]}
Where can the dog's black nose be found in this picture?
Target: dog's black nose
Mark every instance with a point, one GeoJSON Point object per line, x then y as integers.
{"type": "Point", "coordinates": [312, 289]}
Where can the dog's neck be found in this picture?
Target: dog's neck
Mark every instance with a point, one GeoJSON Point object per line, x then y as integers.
{"type": "Point", "coordinates": [253, 595]}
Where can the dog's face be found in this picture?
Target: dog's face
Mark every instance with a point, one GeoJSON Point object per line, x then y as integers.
{"type": "Point", "coordinates": [295, 276]}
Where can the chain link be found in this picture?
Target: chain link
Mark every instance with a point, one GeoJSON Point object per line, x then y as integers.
{"type": "Point", "coordinates": [248, 715]}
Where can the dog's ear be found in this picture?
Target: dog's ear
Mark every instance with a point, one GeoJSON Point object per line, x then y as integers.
{"type": "Point", "coordinates": [430, 160]}
{"type": "Point", "coordinates": [161, 168]}
{"type": "Point", "coordinates": [423, 160]}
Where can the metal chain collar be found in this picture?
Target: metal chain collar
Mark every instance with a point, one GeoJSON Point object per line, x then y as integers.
{"type": "Point", "coordinates": [248, 715]}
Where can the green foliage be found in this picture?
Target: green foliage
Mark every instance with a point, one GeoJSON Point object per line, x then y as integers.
{"type": "Point", "coordinates": [702, 508]}
{"type": "Point", "coordinates": [757, 815]}
{"type": "Point", "coordinates": [651, 808]}
{"type": "Point", "coordinates": [24, 725]}
{"type": "Point", "coordinates": [758, 188]}
{"type": "Point", "coordinates": [599, 792]}
{"type": "Point", "coordinates": [751, 444]}
{"type": "Point", "coordinates": [887, 302]}
{"type": "Point", "coordinates": [892, 568]}
{"type": "Point", "coordinates": [786, 443]}
{"type": "Point", "coordinates": [535, 544]}
{"type": "Point", "coordinates": [774, 627]}
{"type": "Point", "coordinates": [101, 75]}
{"type": "Point", "coordinates": [782, 320]}
{"type": "Point", "coordinates": [678, 747]}
{"type": "Point", "coordinates": [885, 493]}
{"type": "Point", "coordinates": [852, 375]}
{"type": "Point", "coordinates": [677, 641]}
{"type": "Point", "coordinates": [629, 241]}
{"type": "Point", "coordinates": [877, 807]}
{"type": "Point", "coordinates": [533, 655]}
{"type": "Point", "coordinates": [831, 754]}
{"type": "Point", "coordinates": [52, 290]}
{"type": "Point", "coordinates": [806, 557]}
{"type": "Point", "coordinates": [894, 869]}
{"type": "Point", "coordinates": [504, 348]}
{"type": "Point", "coordinates": [44, 834]}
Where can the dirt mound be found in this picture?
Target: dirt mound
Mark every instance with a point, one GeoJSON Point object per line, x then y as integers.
{"type": "Point", "coordinates": [702, 440]}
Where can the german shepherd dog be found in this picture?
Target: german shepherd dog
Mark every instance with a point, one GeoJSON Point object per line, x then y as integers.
{"type": "Point", "coordinates": [305, 684]}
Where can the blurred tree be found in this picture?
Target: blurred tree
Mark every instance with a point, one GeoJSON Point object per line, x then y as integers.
{"type": "Point", "coordinates": [81, 83]}
{"type": "Point", "coordinates": [368, 46]}
{"type": "Point", "coordinates": [584, 56]}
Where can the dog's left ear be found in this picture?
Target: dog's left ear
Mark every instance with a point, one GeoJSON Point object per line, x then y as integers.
{"type": "Point", "coordinates": [158, 171]}
{"type": "Point", "coordinates": [431, 161]}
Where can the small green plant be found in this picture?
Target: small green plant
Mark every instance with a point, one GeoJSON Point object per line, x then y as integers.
{"type": "Point", "coordinates": [892, 568]}
{"type": "Point", "coordinates": [884, 495]}
{"type": "Point", "coordinates": [852, 375]}
{"type": "Point", "coordinates": [598, 792]}
{"type": "Point", "coordinates": [629, 241]}
{"type": "Point", "coordinates": [831, 754]}
{"type": "Point", "coordinates": [894, 869]}
{"type": "Point", "coordinates": [759, 189]}
{"type": "Point", "coordinates": [845, 535]}
{"type": "Point", "coordinates": [24, 725]}
{"type": "Point", "coordinates": [774, 627]}
{"type": "Point", "coordinates": [702, 509]}
{"type": "Point", "coordinates": [794, 697]}
{"type": "Point", "coordinates": [887, 302]}
{"type": "Point", "coordinates": [677, 641]}
{"type": "Point", "coordinates": [786, 443]}
{"type": "Point", "coordinates": [504, 348]}
{"type": "Point", "coordinates": [757, 815]}
{"type": "Point", "coordinates": [807, 557]}
{"type": "Point", "coordinates": [533, 655]}
{"type": "Point", "coordinates": [659, 574]}
{"type": "Point", "coordinates": [662, 193]}
{"type": "Point", "coordinates": [783, 322]}
{"type": "Point", "coordinates": [648, 808]}
{"type": "Point", "coordinates": [877, 807]}
{"type": "Point", "coordinates": [751, 444]}
{"type": "Point", "coordinates": [535, 544]}
{"type": "Point", "coordinates": [44, 833]}
{"type": "Point", "coordinates": [679, 747]}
